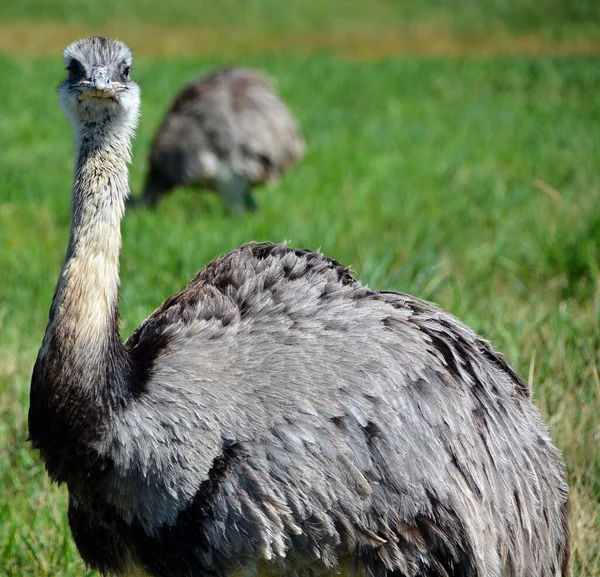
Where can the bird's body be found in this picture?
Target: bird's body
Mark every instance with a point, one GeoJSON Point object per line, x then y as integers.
{"type": "Point", "coordinates": [227, 131]}
{"type": "Point", "coordinates": [277, 417]}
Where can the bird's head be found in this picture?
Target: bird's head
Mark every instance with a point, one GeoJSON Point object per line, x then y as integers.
{"type": "Point", "coordinates": [98, 90]}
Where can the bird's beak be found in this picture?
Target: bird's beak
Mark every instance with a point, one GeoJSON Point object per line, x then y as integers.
{"type": "Point", "coordinates": [99, 86]}
{"type": "Point", "coordinates": [99, 79]}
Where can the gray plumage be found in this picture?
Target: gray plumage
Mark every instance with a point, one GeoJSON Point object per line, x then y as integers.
{"type": "Point", "coordinates": [275, 416]}
{"type": "Point", "coordinates": [228, 131]}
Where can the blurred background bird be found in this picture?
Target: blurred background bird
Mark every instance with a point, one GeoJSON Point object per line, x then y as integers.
{"type": "Point", "coordinates": [228, 132]}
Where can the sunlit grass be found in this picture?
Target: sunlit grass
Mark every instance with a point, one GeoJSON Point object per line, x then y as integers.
{"type": "Point", "coordinates": [474, 184]}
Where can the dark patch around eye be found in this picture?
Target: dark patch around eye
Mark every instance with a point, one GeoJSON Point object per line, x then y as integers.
{"type": "Point", "coordinates": [75, 68]}
{"type": "Point", "coordinates": [125, 70]}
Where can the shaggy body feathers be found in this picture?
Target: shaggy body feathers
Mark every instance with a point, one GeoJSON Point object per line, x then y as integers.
{"type": "Point", "coordinates": [275, 416]}
{"type": "Point", "coordinates": [419, 452]}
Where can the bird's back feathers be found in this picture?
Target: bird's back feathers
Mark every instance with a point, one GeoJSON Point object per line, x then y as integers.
{"type": "Point", "coordinates": [295, 420]}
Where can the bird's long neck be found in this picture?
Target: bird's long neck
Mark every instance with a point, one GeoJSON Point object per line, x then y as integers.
{"type": "Point", "coordinates": [82, 375]}
{"type": "Point", "coordinates": [82, 342]}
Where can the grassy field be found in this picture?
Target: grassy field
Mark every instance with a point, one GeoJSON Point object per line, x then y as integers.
{"type": "Point", "coordinates": [551, 16]}
{"type": "Point", "coordinates": [473, 183]}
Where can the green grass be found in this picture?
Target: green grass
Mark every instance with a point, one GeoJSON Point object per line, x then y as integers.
{"type": "Point", "coordinates": [555, 17]}
{"type": "Point", "coordinates": [421, 174]}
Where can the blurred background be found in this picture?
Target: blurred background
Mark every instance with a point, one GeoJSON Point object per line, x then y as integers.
{"type": "Point", "coordinates": [453, 152]}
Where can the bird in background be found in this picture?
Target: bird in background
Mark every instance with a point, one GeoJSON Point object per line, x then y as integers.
{"type": "Point", "coordinates": [228, 131]}
{"type": "Point", "coordinates": [275, 416]}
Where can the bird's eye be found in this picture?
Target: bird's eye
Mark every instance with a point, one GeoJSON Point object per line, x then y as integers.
{"type": "Point", "coordinates": [125, 71]}
{"type": "Point", "coordinates": [75, 68]}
